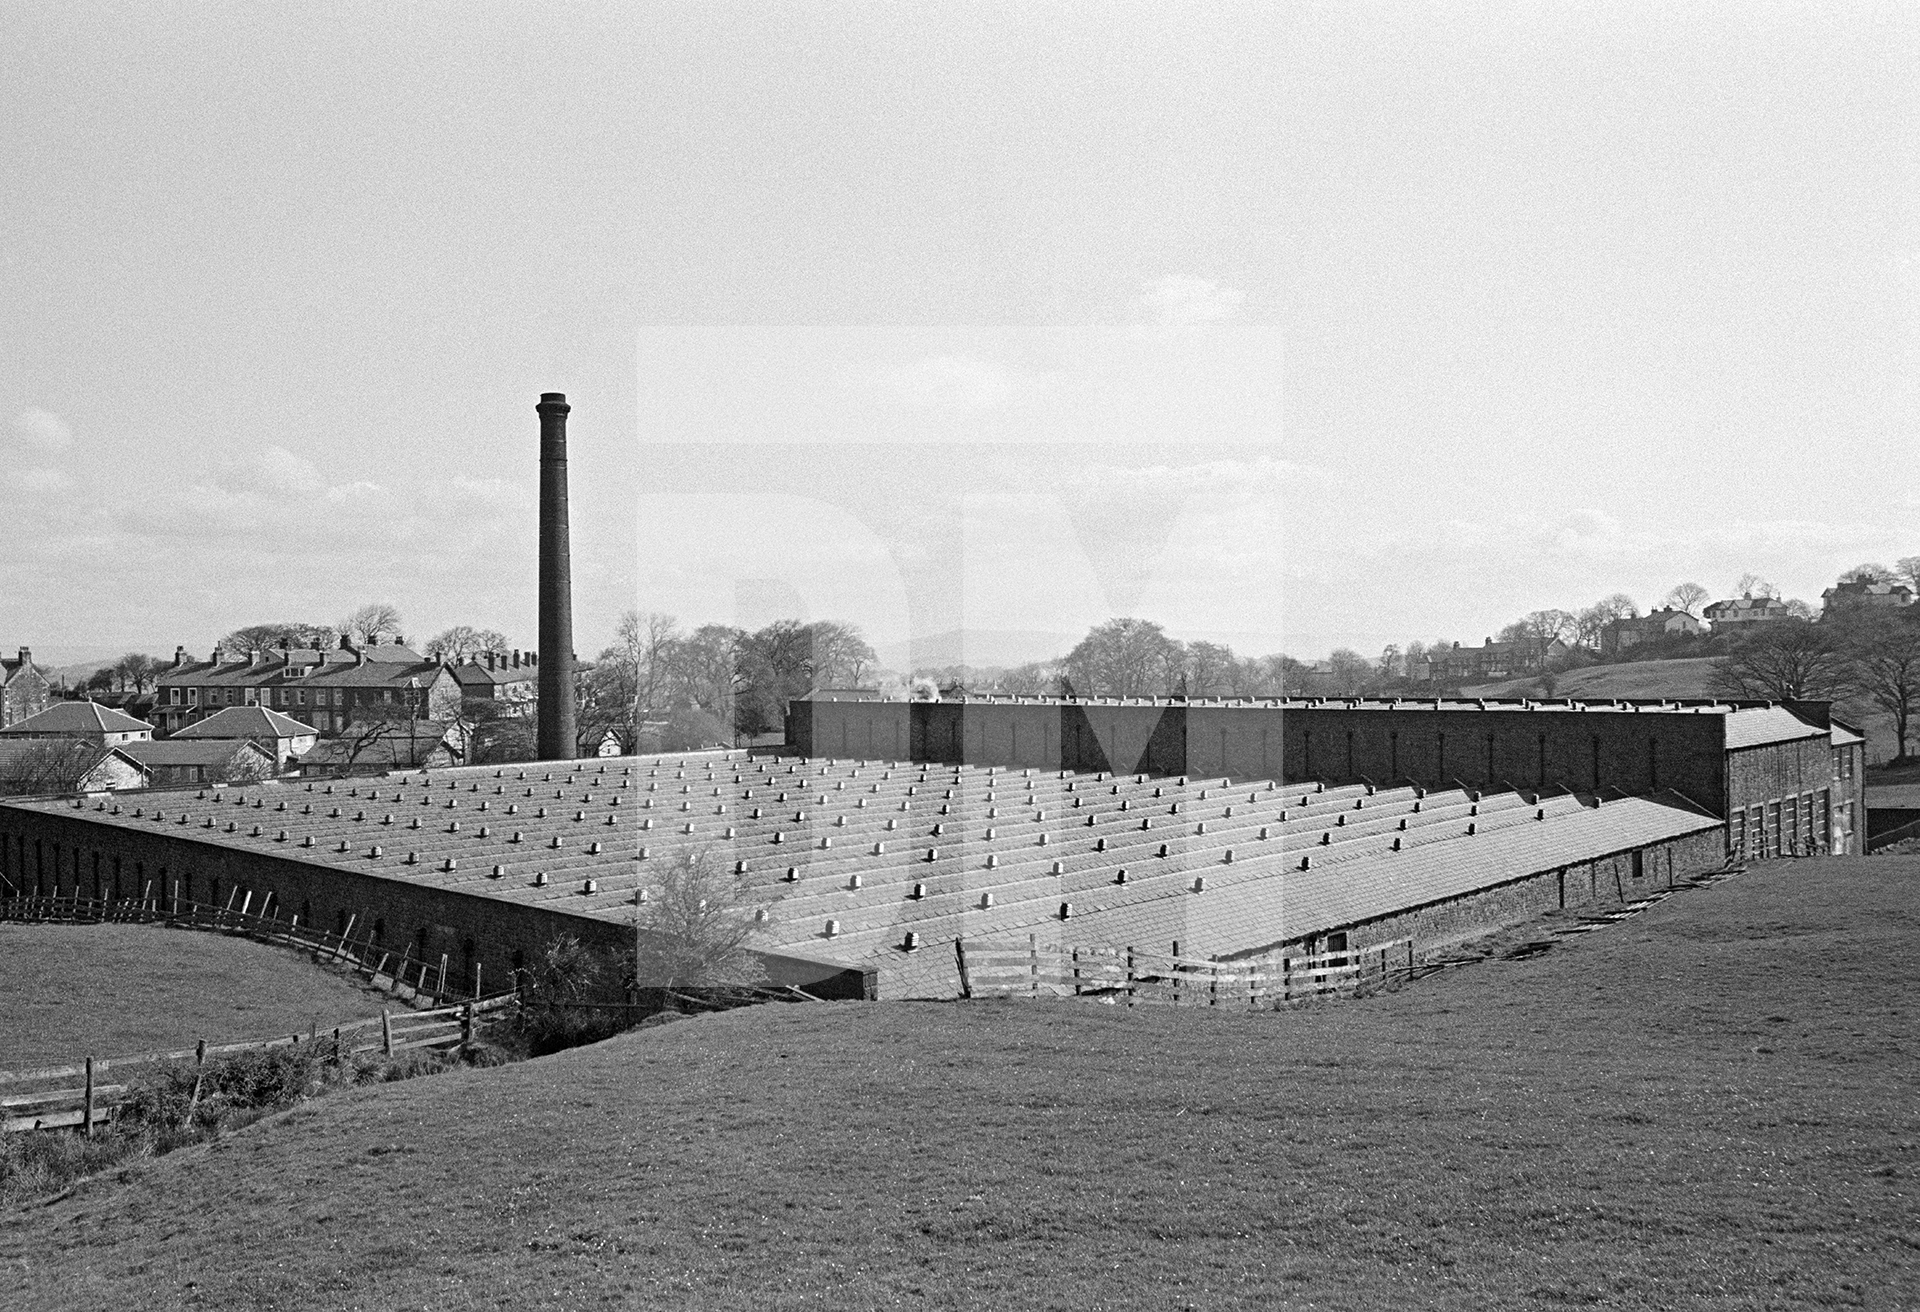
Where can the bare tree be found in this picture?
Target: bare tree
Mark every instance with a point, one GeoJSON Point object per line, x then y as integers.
{"type": "Point", "coordinates": [372, 725]}
{"type": "Point", "coordinates": [1121, 658]}
{"type": "Point", "coordinates": [1687, 597]}
{"type": "Point", "coordinates": [370, 621]}
{"type": "Point", "coordinates": [463, 640]}
{"type": "Point", "coordinates": [839, 654]}
{"type": "Point", "coordinates": [1786, 660]}
{"type": "Point", "coordinates": [693, 929]}
{"type": "Point", "coordinates": [703, 668]}
{"type": "Point", "coordinates": [1030, 680]}
{"type": "Point", "coordinates": [1349, 672]}
{"type": "Point", "coordinates": [138, 670]}
{"type": "Point", "coordinates": [1885, 650]}
{"type": "Point", "coordinates": [260, 637]}
{"type": "Point", "coordinates": [1870, 573]}
{"type": "Point", "coordinates": [1752, 585]}
{"type": "Point", "coordinates": [1209, 666]}
{"type": "Point", "coordinates": [51, 765]}
{"type": "Point", "coordinates": [1909, 567]}
{"type": "Point", "coordinates": [1587, 625]}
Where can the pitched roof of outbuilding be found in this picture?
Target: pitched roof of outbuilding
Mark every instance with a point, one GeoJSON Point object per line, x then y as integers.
{"type": "Point", "coordinates": [78, 718]}
{"type": "Point", "coordinates": [204, 751]}
{"type": "Point", "coordinates": [247, 722]}
{"type": "Point", "coordinates": [1758, 726]}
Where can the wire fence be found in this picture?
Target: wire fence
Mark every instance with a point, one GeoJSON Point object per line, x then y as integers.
{"type": "Point", "coordinates": [79, 1094]}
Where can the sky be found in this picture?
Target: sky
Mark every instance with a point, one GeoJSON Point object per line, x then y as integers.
{"type": "Point", "coordinates": [1291, 326]}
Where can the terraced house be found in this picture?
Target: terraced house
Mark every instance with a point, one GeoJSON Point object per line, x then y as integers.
{"type": "Point", "coordinates": [327, 689]}
{"type": "Point", "coordinates": [24, 691]}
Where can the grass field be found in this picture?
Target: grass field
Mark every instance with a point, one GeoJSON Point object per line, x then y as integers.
{"type": "Point", "coordinates": [1712, 1105]}
{"type": "Point", "coordinates": [67, 991]}
{"type": "Point", "coordinates": [1681, 678]}
{"type": "Point", "coordinates": [1685, 678]}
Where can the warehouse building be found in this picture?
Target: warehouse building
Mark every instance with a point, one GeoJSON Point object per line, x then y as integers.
{"type": "Point", "coordinates": [862, 874]}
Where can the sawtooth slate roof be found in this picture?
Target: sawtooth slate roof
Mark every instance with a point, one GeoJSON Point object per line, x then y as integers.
{"type": "Point", "coordinates": [79, 717]}
{"type": "Point", "coordinates": [847, 857]}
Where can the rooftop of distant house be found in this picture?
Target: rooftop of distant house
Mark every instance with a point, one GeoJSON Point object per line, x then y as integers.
{"type": "Point", "coordinates": [86, 717]}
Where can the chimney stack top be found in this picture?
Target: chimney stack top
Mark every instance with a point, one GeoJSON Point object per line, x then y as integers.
{"type": "Point", "coordinates": [553, 403]}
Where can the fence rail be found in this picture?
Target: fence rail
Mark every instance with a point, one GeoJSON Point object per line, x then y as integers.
{"type": "Point", "coordinates": [990, 968]}
{"type": "Point", "coordinates": [23, 1107]}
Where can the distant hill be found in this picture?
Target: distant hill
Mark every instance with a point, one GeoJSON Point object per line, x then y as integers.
{"type": "Point", "coordinates": [1683, 678]}
{"type": "Point", "coordinates": [976, 647]}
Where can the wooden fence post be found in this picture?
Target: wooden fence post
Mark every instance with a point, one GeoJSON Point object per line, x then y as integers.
{"type": "Point", "coordinates": [1076, 972]}
{"type": "Point", "coordinates": [1033, 965]}
{"type": "Point", "coordinates": [1213, 985]}
{"type": "Point", "coordinates": [86, 1108]}
{"type": "Point", "coordinates": [466, 1026]}
{"type": "Point", "coordinates": [440, 988]}
{"type": "Point", "coordinates": [199, 1074]}
{"type": "Point", "coordinates": [1176, 972]}
{"type": "Point", "coordinates": [476, 979]}
{"type": "Point", "coordinates": [960, 957]}
{"type": "Point", "coordinates": [386, 1032]}
{"type": "Point", "coordinates": [246, 902]}
{"type": "Point", "coordinates": [336, 1045]}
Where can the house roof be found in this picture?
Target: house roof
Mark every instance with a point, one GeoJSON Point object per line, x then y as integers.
{"type": "Point", "coordinates": [205, 751]}
{"type": "Point", "coordinates": [79, 718]}
{"type": "Point", "coordinates": [247, 722]}
{"type": "Point", "coordinates": [341, 670]}
{"type": "Point", "coordinates": [1860, 588]}
{"type": "Point", "coordinates": [1845, 735]}
{"type": "Point", "coordinates": [1747, 603]}
{"type": "Point", "coordinates": [469, 673]}
{"type": "Point", "coordinates": [1758, 726]}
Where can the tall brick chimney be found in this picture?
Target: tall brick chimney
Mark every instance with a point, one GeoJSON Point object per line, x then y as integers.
{"type": "Point", "coordinates": [558, 739]}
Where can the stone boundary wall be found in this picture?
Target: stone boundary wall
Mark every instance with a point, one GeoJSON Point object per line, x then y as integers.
{"type": "Point", "coordinates": [1604, 882]}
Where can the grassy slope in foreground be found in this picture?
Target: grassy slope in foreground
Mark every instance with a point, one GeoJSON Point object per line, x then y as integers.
{"type": "Point", "coordinates": [1712, 1106]}
{"type": "Point", "coordinates": [67, 991]}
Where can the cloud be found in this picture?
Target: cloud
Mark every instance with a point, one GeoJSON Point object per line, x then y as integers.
{"type": "Point", "coordinates": [39, 480]}
{"type": "Point", "coordinates": [41, 430]}
{"type": "Point", "coordinates": [276, 469]}
{"type": "Point", "coordinates": [1584, 532]}
{"type": "Point", "coordinates": [1175, 302]}
{"type": "Point", "coordinates": [951, 382]}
